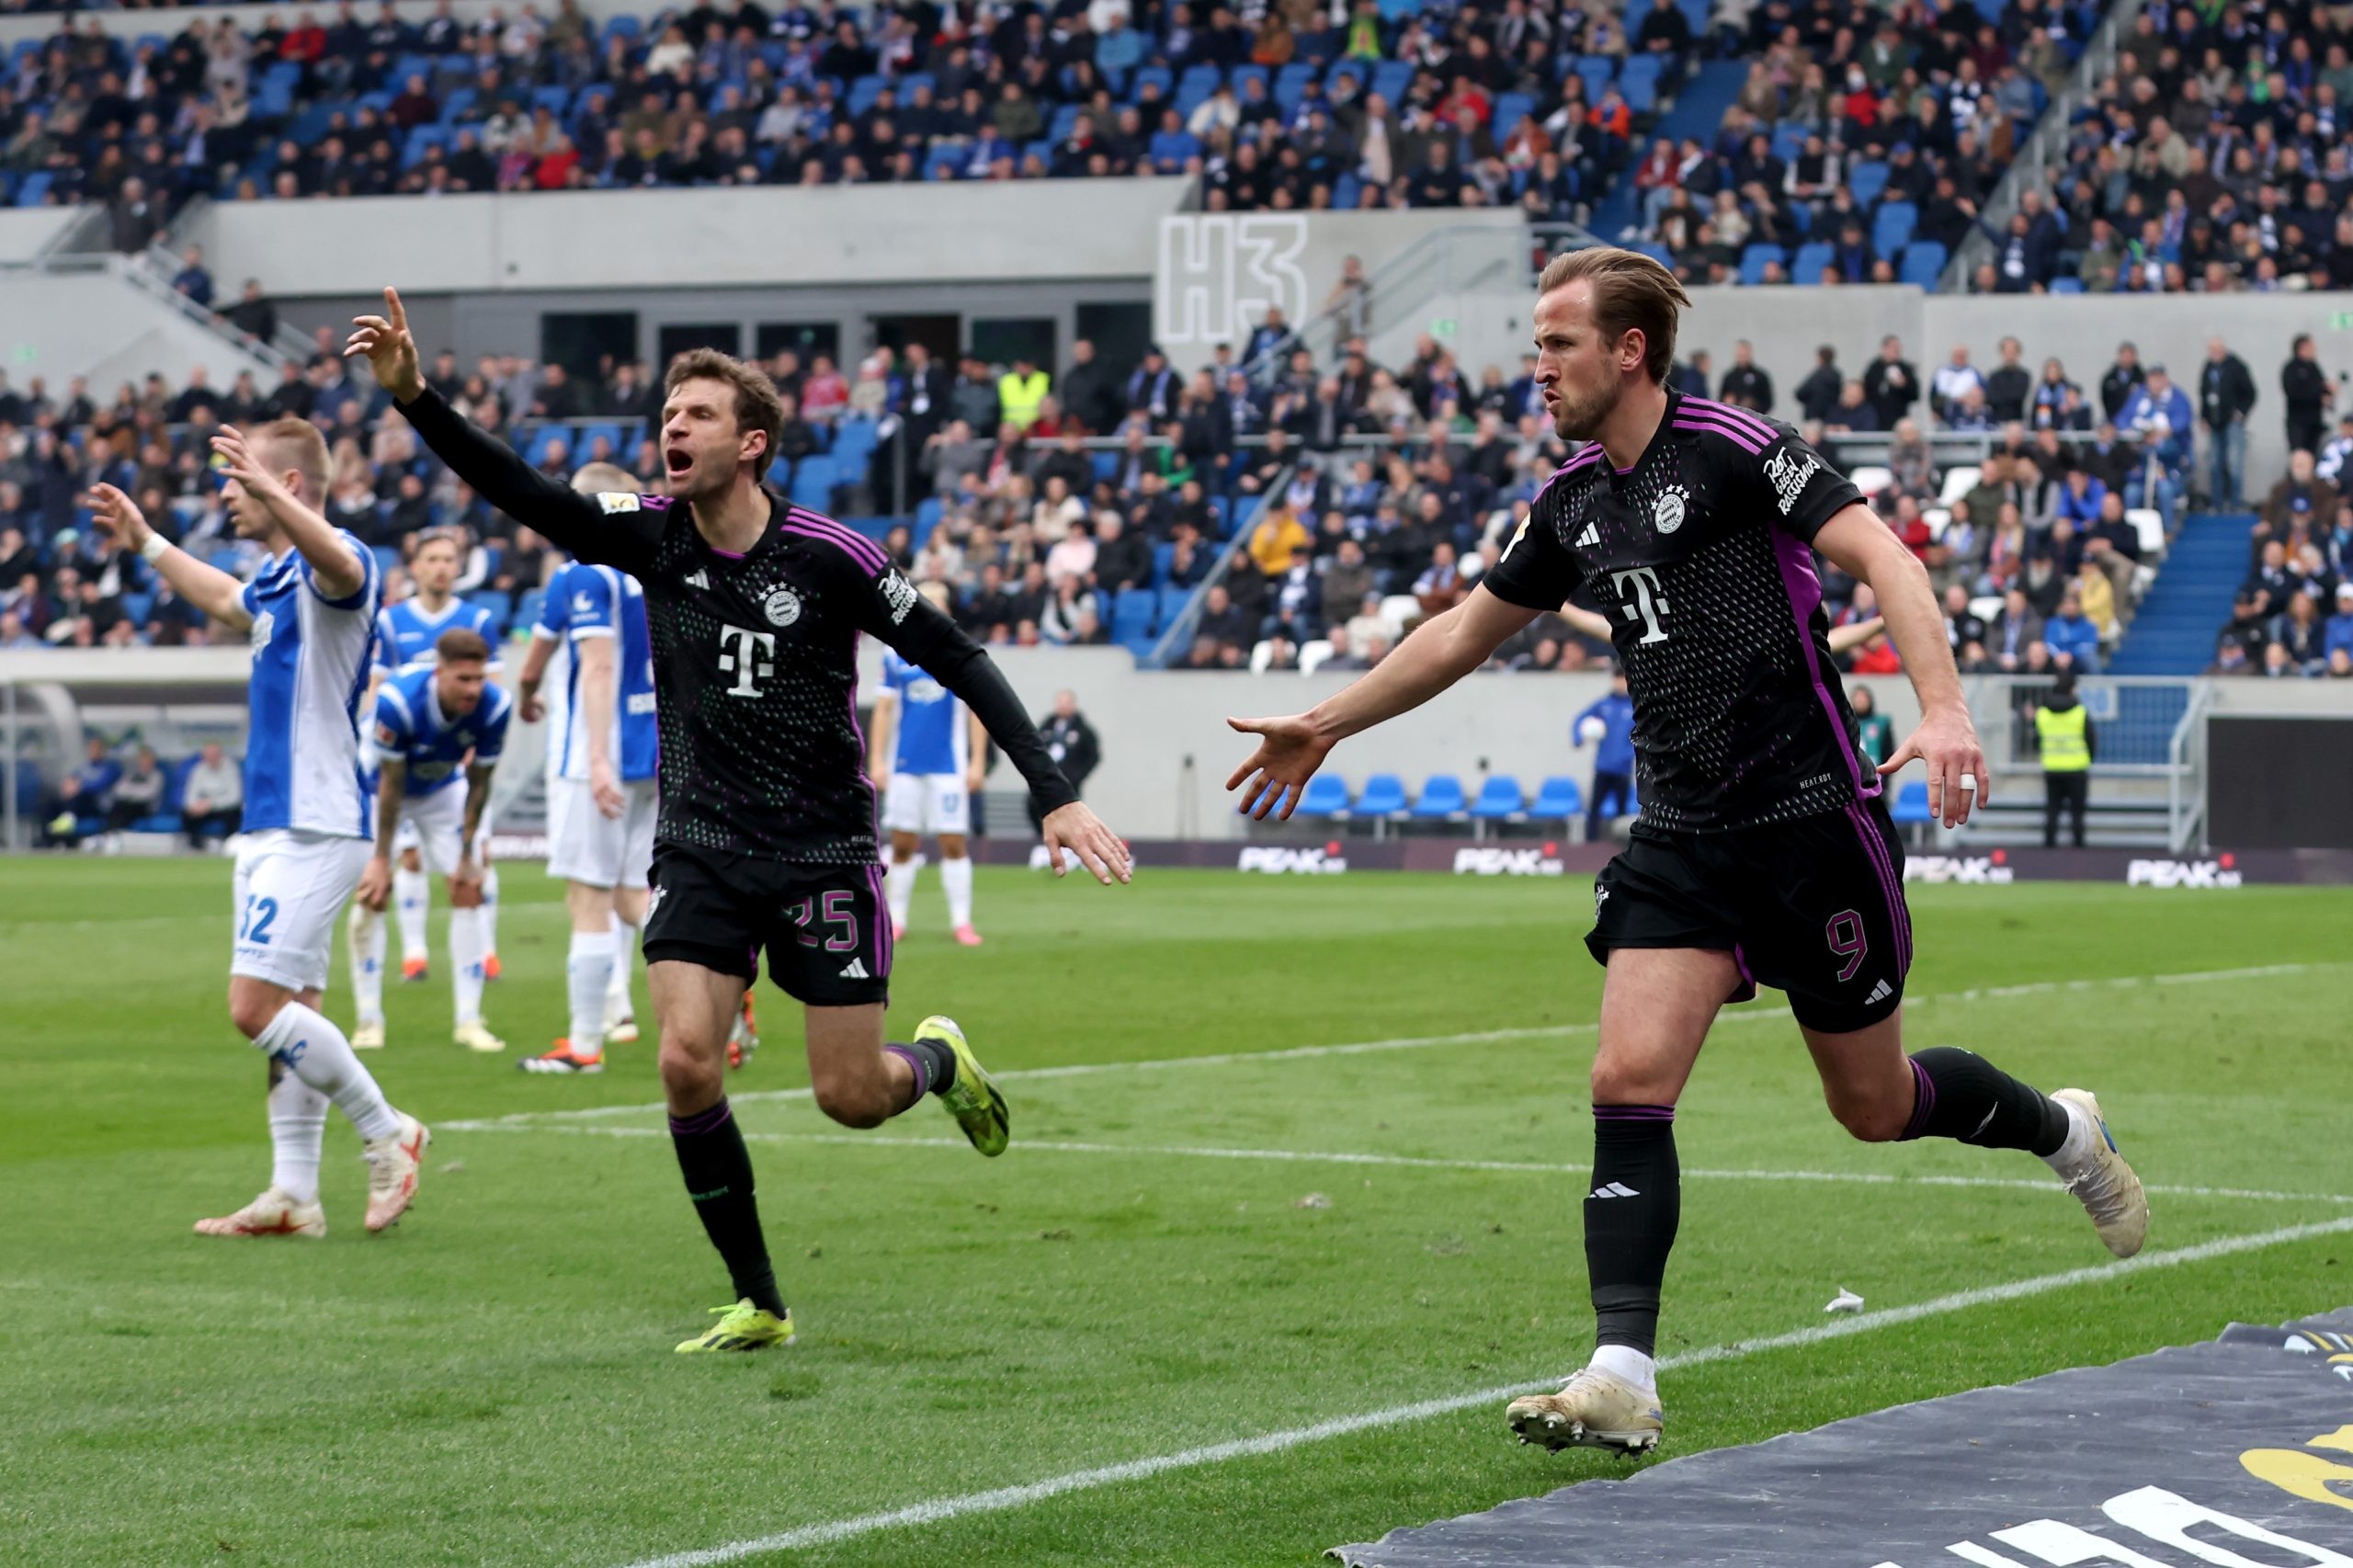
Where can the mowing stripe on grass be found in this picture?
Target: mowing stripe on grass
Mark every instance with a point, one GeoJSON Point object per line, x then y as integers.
{"type": "Point", "coordinates": [1406, 1042]}
{"type": "Point", "coordinates": [1427, 1163]}
{"type": "Point", "coordinates": [939, 1510]}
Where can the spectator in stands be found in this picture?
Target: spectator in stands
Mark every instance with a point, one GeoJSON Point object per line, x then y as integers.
{"type": "Point", "coordinates": [2226, 397]}
{"type": "Point", "coordinates": [192, 281]}
{"type": "Point", "coordinates": [1963, 626]}
{"type": "Point", "coordinates": [2308, 392]}
{"type": "Point", "coordinates": [1746, 385]}
{"type": "Point", "coordinates": [2300, 637]}
{"type": "Point", "coordinates": [2009, 386]}
{"type": "Point", "coordinates": [2016, 634]}
{"type": "Point", "coordinates": [2337, 639]}
{"type": "Point", "coordinates": [2297, 503]}
{"type": "Point", "coordinates": [1874, 731]}
{"type": "Point", "coordinates": [1820, 393]}
{"type": "Point", "coordinates": [2123, 379]}
{"type": "Point", "coordinates": [1891, 385]}
{"type": "Point", "coordinates": [87, 792]}
{"type": "Point", "coordinates": [2230, 656]}
{"type": "Point", "coordinates": [138, 794]}
{"type": "Point", "coordinates": [2159, 416]}
{"type": "Point", "coordinates": [1954, 382]}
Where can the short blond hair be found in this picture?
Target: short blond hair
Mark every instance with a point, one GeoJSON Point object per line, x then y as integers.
{"type": "Point", "coordinates": [596, 479]}
{"type": "Point", "coordinates": [1630, 290]}
{"type": "Point", "coordinates": [295, 444]}
{"type": "Point", "coordinates": [758, 405]}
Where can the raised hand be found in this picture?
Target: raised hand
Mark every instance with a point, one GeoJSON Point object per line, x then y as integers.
{"type": "Point", "coordinates": [1081, 833]}
{"type": "Point", "coordinates": [118, 516]}
{"type": "Point", "coordinates": [390, 350]}
{"type": "Point", "coordinates": [1289, 751]}
{"type": "Point", "coordinates": [247, 470]}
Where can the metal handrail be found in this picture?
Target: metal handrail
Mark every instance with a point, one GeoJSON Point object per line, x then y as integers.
{"type": "Point", "coordinates": [2042, 149]}
{"type": "Point", "coordinates": [2185, 792]}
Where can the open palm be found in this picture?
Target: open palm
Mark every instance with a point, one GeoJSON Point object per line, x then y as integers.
{"type": "Point", "coordinates": [1289, 751]}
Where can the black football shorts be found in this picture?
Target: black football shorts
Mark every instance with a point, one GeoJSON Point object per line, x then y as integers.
{"type": "Point", "coordinates": [1812, 906]}
{"type": "Point", "coordinates": [826, 929]}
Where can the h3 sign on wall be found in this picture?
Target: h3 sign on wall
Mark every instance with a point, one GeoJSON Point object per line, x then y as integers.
{"type": "Point", "coordinates": [1218, 273]}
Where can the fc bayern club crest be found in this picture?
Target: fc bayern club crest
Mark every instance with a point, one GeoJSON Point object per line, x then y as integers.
{"type": "Point", "coordinates": [782, 604]}
{"type": "Point", "coordinates": [1667, 515]}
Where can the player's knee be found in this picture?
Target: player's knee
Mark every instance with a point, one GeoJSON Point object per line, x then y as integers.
{"type": "Point", "coordinates": [1872, 1120]}
{"type": "Point", "coordinates": [860, 1102]}
{"type": "Point", "coordinates": [251, 1011]}
{"type": "Point", "coordinates": [1619, 1083]}
{"type": "Point", "coordinates": [689, 1076]}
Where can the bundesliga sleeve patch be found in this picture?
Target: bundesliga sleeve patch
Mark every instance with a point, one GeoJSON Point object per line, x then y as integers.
{"type": "Point", "coordinates": [899, 594]}
{"type": "Point", "coordinates": [615, 500]}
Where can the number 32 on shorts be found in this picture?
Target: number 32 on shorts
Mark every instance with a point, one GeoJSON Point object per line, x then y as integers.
{"type": "Point", "coordinates": [253, 925]}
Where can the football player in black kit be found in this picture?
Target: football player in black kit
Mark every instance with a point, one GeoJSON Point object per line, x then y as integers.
{"type": "Point", "coordinates": [765, 837]}
{"type": "Point", "coordinates": [1764, 854]}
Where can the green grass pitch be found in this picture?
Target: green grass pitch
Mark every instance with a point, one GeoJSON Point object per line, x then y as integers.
{"type": "Point", "coordinates": [1142, 1276]}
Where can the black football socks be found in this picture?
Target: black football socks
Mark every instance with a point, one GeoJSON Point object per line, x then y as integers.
{"type": "Point", "coordinates": [934, 1065]}
{"type": "Point", "coordinates": [1962, 1096]}
{"type": "Point", "coordinates": [1629, 1219]}
{"type": "Point", "coordinates": [719, 1180]}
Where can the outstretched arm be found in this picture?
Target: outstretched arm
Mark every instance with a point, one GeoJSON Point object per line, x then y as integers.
{"type": "Point", "coordinates": [578, 524]}
{"type": "Point", "coordinates": [879, 730]}
{"type": "Point", "coordinates": [335, 570]}
{"type": "Point", "coordinates": [1440, 652]}
{"type": "Point", "coordinates": [1857, 543]}
{"type": "Point", "coordinates": [207, 587]}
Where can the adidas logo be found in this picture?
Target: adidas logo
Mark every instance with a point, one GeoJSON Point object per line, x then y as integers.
{"type": "Point", "coordinates": [856, 970]}
{"type": "Point", "coordinates": [1615, 1189]}
{"type": "Point", "coordinates": [1590, 539]}
{"type": "Point", "coordinates": [1879, 992]}
{"type": "Point", "coordinates": [695, 579]}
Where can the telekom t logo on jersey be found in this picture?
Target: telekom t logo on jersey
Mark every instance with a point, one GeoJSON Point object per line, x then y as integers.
{"type": "Point", "coordinates": [748, 656]}
{"type": "Point", "coordinates": [1649, 601]}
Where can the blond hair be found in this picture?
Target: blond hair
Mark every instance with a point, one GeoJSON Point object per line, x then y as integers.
{"type": "Point", "coordinates": [595, 478]}
{"type": "Point", "coordinates": [758, 407]}
{"type": "Point", "coordinates": [294, 444]}
{"type": "Point", "coordinates": [1630, 290]}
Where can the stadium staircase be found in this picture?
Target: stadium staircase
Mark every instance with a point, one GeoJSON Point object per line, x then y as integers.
{"type": "Point", "coordinates": [1696, 112]}
{"type": "Point", "coordinates": [2173, 634]}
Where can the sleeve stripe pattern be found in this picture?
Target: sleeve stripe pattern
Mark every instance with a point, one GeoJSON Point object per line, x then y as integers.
{"type": "Point", "coordinates": [1737, 425]}
{"type": "Point", "coordinates": [1584, 459]}
{"type": "Point", "coordinates": [856, 545]}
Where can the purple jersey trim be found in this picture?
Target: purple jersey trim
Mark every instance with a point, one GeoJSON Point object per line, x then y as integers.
{"type": "Point", "coordinates": [1891, 885]}
{"type": "Point", "coordinates": [1757, 423]}
{"type": "Point", "coordinates": [1747, 990]}
{"type": "Point", "coordinates": [884, 941]}
{"type": "Point", "coordinates": [856, 545]}
{"type": "Point", "coordinates": [1796, 560]}
{"type": "Point", "coordinates": [724, 554]}
{"type": "Point", "coordinates": [1738, 436]}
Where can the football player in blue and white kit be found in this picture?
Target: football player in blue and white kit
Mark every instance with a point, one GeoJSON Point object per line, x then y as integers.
{"type": "Point", "coordinates": [602, 751]}
{"type": "Point", "coordinates": [311, 613]}
{"type": "Point", "coordinates": [404, 638]}
{"type": "Point", "coordinates": [435, 737]}
{"type": "Point", "coordinates": [927, 752]}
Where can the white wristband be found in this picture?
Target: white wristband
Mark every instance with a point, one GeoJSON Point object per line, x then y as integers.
{"type": "Point", "coordinates": [154, 547]}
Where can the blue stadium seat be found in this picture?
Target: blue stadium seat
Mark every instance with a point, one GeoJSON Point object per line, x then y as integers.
{"type": "Point", "coordinates": [1390, 78]}
{"type": "Point", "coordinates": [1640, 90]}
{"type": "Point", "coordinates": [1499, 799]}
{"type": "Point", "coordinates": [1812, 256]}
{"type": "Point", "coordinates": [138, 606]}
{"type": "Point", "coordinates": [812, 483]}
{"type": "Point", "coordinates": [1753, 260]}
{"type": "Point", "coordinates": [527, 606]}
{"type": "Point", "coordinates": [1598, 71]}
{"type": "Point", "coordinates": [493, 600]}
{"type": "Point", "coordinates": [557, 101]}
{"type": "Point", "coordinates": [630, 26]}
{"type": "Point", "coordinates": [1912, 803]}
{"type": "Point", "coordinates": [1346, 191]}
{"type": "Point", "coordinates": [1172, 605]}
{"type": "Point", "coordinates": [1162, 556]}
{"type": "Point", "coordinates": [1131, 614]}
{"type": "Point", "coordinates": [1788, 140]}
{"type": "Point", "coordinates": [1290, 85]}
{"type": "Point", "coordinates": [864, 90]}
{"type": "Point", "coordinates": [914, 79]}
{"type": "Point", "coordinates": [1441, 797]}
{"type": "Point", "coordinates": [1326, 796]}
{"type": "Point", "coordinates": [1924, 264]}
{"type": "Point", "coordinates": [946, 161]}
{"type": "Point", "coordinates": [2066, 286]}
{"type": "Point", "coordinates": [1891, 228]}
{"type": "Point", "coordinates": [1509, 107]}
{"type": "Point", "coordinates": [35, 188]}
{"type": "Point", "coordinates": [927, 516]}
{"type": "Point", "coordinates": [1384, 796]}
{"type": "Point", "coordinates": [1158, 75]}
{"type": "Point", "coordinates": [1242, 73]}
{"type": "Point", "coordinates": [1557, 798]}
{"type": "Point", "coordinates": [1867, 180]}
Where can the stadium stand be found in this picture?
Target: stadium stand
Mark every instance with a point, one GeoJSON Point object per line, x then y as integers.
{"type": "Point", "coordinates": [1298, 108]}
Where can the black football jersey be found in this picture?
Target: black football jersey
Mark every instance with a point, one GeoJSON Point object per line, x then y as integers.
{"type": "Point", "coordinates": [1701, 556]}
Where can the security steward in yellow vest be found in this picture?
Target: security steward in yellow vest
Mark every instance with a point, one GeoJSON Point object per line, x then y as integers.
{"type": "Point", "coordinates": [2063, 732]}
{"type": "Point", "coordinates": [1021, 393]}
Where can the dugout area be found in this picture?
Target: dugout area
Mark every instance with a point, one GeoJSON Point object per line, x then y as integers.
{"type": "Point", "coordinates": [2237, 1452]}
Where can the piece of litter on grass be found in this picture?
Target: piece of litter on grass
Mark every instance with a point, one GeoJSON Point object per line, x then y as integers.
{"type": "Point", "coordinates": [1313, 1200]}
{"type": "Point", "coordinates": [453, 1167]}
{"type": "Point", "coordinates": [1846, 1301]}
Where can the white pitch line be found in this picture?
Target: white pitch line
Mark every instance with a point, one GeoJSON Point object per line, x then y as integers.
{"type": "Point", "coordinates": [1405, 1042]}
{"type": "Point", "coordinates": [939, 1510]}
{"type": "Point", "coordinates": [1427, 1163]}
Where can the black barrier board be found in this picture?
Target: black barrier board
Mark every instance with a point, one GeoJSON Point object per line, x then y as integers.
{"type": "Point", "coordinates": [2237, 1451]}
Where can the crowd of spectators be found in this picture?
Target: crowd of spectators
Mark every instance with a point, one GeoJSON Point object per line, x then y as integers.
{"type": "Point", "coordinates": [1335, 505]}
{"type": "Point", "coordinates": [1862, 145]}
{"type": "Point", "coordinates": [1291, 104]}
{"type": "Point", "coordinates": [2217, 157]}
